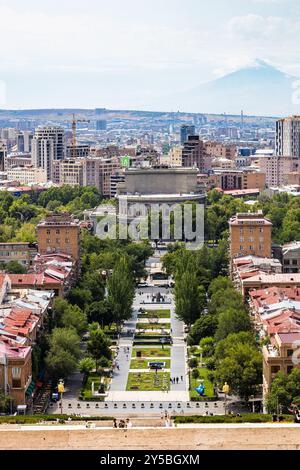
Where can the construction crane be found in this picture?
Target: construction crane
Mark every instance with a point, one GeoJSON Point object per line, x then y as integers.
{"type": "Point", "coordinates": [74, 126]}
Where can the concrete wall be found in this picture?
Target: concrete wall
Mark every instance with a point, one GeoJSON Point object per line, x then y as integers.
{"type": "Point", "coordinates": [220, 437]}
{"type": "Point", "coordinates": [162, 181]}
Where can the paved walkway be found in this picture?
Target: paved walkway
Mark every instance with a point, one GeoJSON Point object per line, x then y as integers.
{"type": "Point", "coordinates": [119, 380]}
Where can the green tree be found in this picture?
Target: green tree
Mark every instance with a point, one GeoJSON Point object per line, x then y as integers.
{"type": "Point", "coordinates": [205, 326]}
{"type": "Point", "coordinates": [81, 297]}
{"type": "Point", "coordinates": [75, 317]}
{"type": "Point", "coordinates": [285, 389]}
{"type": "Point", "coordinates": [232, 321]}
{"type": "Point", "coordinates": [98, 345]}
{"type": "Point", "coordinates": [187, 295]}
{"type": "Point", "coordinates": [86, 366]}
{"type": "Point", "coordinates": [207, 346]}
{"type": "Point", "coordinates": [13, 267]}
{"type": "Point", "coordinates": [120, 287]}
{"type": "Point", "coordinates": [100, 312]}
{"type": "Point", "coordinates": [64, 353]}
{"type": "Point", "coordinates": [238, 362]}
{"type": "Point", "coordinates": [26, 233]}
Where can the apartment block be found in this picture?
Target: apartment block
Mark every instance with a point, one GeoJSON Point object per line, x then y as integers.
{"type": "Point", "coordinates": [27, 175]}
{"type": "Point", "coordinates": [68, 171]}
{"type": "Point", "coordinates": [59, 233]}
{"type": "Point", "coordinates": [250, 234]}
{"type": "Point", "coordinates": [288, 136]}
{"type": "Point", "coordinates": [277, 168]}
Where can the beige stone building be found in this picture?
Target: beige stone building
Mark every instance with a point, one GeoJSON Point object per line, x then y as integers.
{"type": "Point", "coordinates": [59, 233]}
{"type": "Point", "coordinates": [250, 234]}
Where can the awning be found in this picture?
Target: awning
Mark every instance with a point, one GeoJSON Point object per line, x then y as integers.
{"type": "Point", "coordinates": [30, 388]}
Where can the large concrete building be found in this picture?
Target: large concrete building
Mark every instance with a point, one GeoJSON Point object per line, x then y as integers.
{"type": "Point", "coordinates": [19, 159]}
{"type": "Point", "coordinates": [288, 136]}
{"type": "Point", "coordinates": [59, 233]}
{"type": "Point", "coordinates": [68, 171]}
{"type": "Point", "coordinates": [186, 130]}
{"type": "Point", "coordinates": [194, 154]}
{"type": "Point", "coordinates": [3, 152]}
{"type": "Point", "coordinates": [149, 186]}
{"type": "Point", "coordinates": [238, 179]}
{"type": "Point", "coordinates": [277, 168]}
{"type": "Point", "coordinates": [27, 175]}
{"type": "Point", "coordinates": [48, 145]}
{"type": "Point", "coordinates": [250, 234]}
{"type": "Point", "coordinates": [98, 171]}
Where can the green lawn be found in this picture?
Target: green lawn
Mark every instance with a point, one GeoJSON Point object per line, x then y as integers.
{"type": "Point", "coordinates": [143, 363]}
{"type": "Point", "coordinates": [152, 352]}
{"type": "Point", "coordinates": [160, 313]}
{"type": "Point", "coordinates": [153, 326]}
{"type": "Point", "coordinates": [87, 389]}
{"type": "Point", "coordinates": [148, 381]}
{"type": "Point", "coordinates": [209, 389]}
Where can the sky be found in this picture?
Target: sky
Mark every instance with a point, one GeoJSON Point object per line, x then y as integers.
{"type": "Point", "coordinates": [131, 54]}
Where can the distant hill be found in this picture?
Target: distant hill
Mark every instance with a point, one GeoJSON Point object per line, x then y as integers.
{"type": "Point", "coordinates": [259, 90]}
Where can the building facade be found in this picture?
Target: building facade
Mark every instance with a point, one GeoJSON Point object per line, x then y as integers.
{"type": "Point", "coordinates": [59, 233]}
{"type": "Point", "coordinates": [288, 136]}
{"type": "Point", "coordinates": [48, 145]}
{"type": "Point", "coordinates": [250, 234]}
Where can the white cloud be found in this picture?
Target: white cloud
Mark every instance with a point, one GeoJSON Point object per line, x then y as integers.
{"type": "Point", "coordinates": [257, 25]}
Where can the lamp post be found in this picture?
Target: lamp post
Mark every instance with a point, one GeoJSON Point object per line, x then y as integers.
{"type": "Point", "coordinates": [225, 391]}
{"type": "Point", "coordinates": [61, 389]}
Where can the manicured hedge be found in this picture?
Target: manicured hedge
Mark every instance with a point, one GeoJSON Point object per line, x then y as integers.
{"type": "Point", "coordinates": [219, 419]}
{"type": "Point", "coordinates": [33, 419]}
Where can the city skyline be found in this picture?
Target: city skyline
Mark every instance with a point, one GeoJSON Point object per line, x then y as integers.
{"type": "Point", "coordinates": [134, 56]}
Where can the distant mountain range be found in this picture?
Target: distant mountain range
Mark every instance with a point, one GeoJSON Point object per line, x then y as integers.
{"type": "Point", "coordinates": [260, 89]}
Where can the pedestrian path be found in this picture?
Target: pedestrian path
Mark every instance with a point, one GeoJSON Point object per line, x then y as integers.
{"type": "Point", "coordinates": [119, 380]}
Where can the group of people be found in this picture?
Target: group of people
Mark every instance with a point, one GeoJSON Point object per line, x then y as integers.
{"type": "Point", "coordinates": [175, 380]}
{"type": "Point", "coordinates": [123, 424]}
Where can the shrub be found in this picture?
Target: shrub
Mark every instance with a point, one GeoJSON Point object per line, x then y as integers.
{"type": "Point", "coordinates": [193, 362]}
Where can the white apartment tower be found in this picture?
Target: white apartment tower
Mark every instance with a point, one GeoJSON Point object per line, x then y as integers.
{"type": "Point", "coordinates": [288, 136]}
{"type": "Point", "coordinates": [48, 144]}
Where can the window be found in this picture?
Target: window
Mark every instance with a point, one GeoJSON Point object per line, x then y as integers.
{"type": "Point", "coordinates": [67, 240]}
{"type": "Point", "coordinates": [286, 262]}
{"type": "Point", "coordinates": [48, 232]}
{"type": "Point", "coordinates": [16, 377]}
{"type": "Point", "coordinates": [290, 352]}
{"type": "Point", "coordinates": [294, 262]}
{"type": "Point", "coordinates": [275, 369]}
{"type": "Point", "coordinates": [57, 240]}
{"type": "Point", "coordinates": [289, 369]}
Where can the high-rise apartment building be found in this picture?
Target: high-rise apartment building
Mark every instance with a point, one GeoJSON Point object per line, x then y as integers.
{"type": "Point", "coordinates": [48, 144]}
{"type": "Point", "coordinates": [277, 168]}
{"type": "Point", "coordinates": [185, 132]}
{"type": "Point", "coordinates": [3, 152]}
{"type": "Point", "coordinates": [24, 140]}
{"type": "Point", "coordinates": [194, 155]}
{"type": "Point", "coordinates": [101, 125]}
{"type": "Point", "coordinates": [288, 136]}
{"type": "Point", "coordinates": [68, 171]}
{"type": "Point", "coordinates": [59, 233]}
{"type": "Point", "coordinates": [97, 172]}
{"type": "Point", "coordinates": [250, 234]}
